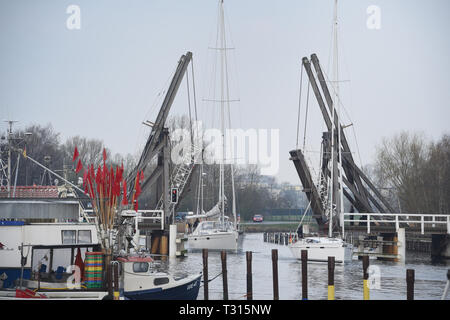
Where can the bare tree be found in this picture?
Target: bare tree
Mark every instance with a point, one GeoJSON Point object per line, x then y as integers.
{"type": "Point", "coordinates": [90, 150]}
{"type": "Point", "coordinates": [43, 146]}
{"type": "Point", "coordinates": [418, 172]}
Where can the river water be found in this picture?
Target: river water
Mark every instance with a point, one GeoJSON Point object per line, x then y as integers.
{"type": "Point", "coordinates": [389, 278]}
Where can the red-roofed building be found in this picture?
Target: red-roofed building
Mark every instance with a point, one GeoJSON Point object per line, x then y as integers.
{"type": "Point", "coordinates": [48, 192]}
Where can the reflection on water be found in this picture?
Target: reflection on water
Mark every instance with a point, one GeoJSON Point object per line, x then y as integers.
{"type": "Point", "coordinates": [430, 278]}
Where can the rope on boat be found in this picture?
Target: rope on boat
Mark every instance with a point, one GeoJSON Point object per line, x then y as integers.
{"type": "Point", "coordinates": [209, 280]}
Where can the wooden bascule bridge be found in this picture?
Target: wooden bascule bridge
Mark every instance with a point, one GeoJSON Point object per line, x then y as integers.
{"type": "Point", "coordinates": [373, 223]}
{"type": "Point", "coordinates": [161, 176]}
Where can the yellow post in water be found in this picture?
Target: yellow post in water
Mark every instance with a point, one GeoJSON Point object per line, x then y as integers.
{"type": "Point", "coordinates": [366, 294]}
{"type": "Point", "coordinates": [331, 278]}
{"type": "Point", "coordinates": [365, 261]}
{"type": "Point", "coordinates": [330, 292]}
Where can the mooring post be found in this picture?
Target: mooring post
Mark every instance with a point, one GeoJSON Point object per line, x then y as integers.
{"type": "Point", "coordinates": [410, 284]}
{"type": "Point", "coordinates": [116, 281]}
{"type": "Point", "coordinates": [249, 276]}
{"type": "Point", "coordinates": [331, 264]}
{"type": "Point", "coordinates": [205, 274]}
{"type": "Point", "coordinates": [275, 273]}
{"type": "Point", "coordinates": [366, 295]}
{"type": "Point", "coordinates": [304, 274]}
{"type": "Point", "coordinates": [224, 274]}
{"type": "Point", "coordinates": [109, 279]}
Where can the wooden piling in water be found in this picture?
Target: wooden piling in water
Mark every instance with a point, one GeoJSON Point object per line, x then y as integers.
{"type": "Point", "coordinates": [304, 274]}
{"type": "Point", "coordinates": [164, 245]}
{"type": "Point", "coordinates": [116, 281]}
{"type": "Point", "coordinates": [275, 274]}
{"type": "Point", "coordinates": [223, 256]}
{"type": "Point", "coordinates": [331, 264]}
{"type": "Point", "coordinates": [410, 284]}
{"type": "Point", "coordinates": [205, 274]}
{"type": "Point", "coordinates": [249, 276]}
{"type": "Point", "coordinates": [155, 244]}
{"type": "Point", "coordinates": [109, 279]}
{"type": "Point", "coordinates": [366, 294]}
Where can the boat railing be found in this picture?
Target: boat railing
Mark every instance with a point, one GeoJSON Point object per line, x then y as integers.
{"type": "Point", "coordinates": [142, 216]}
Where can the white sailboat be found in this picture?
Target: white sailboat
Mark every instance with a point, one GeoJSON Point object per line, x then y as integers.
{"type": "Point", "coordinates": [216, 231]}
{"type": "Point", "coordinates": [320, 248]}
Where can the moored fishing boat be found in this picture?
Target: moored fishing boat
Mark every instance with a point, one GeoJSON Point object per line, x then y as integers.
{"type": "Point", "coordinates": [143, 281]}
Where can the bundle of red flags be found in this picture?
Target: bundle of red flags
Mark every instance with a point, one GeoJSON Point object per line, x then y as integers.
{"type": "Point", "coordinates": [104, 186]}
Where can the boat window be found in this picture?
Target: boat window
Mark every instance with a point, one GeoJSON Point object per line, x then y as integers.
{"type": "Point", "coordinates": [207, 225]}
{"type": "Point", "coordinates": [160, 281]}
{"type": "Point", "coordinates": [140, 267]}
{"type": "Point", "coordinates": [69, 236]}
{"type": "Point", "coordinates": [84, 236]}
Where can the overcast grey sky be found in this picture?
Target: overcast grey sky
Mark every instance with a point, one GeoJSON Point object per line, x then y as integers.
{"type": "Point", "coordinates": [103, 80]}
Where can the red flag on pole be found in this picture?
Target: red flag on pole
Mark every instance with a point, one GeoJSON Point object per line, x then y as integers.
{"type": "Point", "coordinates": [79, 166]}
{"type": "Point", "coordinates": [85, 182]}
{"type": "Point", "coordinates": [75, 154]}
{"type": "Point", "coordinates": [125, 200]}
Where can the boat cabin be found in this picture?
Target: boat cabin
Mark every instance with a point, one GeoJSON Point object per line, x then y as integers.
{"type": "Point", "coordinates": [207, 227]}
{"type": "Point", "coordinates": [20, 239]}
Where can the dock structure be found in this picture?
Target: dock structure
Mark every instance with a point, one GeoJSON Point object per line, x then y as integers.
{"type": "Point", "coordinates": [386, 234]}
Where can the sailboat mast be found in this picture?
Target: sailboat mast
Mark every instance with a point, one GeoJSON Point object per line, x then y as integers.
{"type": "Point", "coordinates": [340, 205]}
{"type": "Point", "coordinates": [222, 107]}
{"type": "Point", "coordinates": [335, 171]}
{"type": "Point", "coordinates": [201, 186]}
{"type": "Point", "coordinates": [332, 193]}
{"type": "Point", "coordinates": [234, 196]}
{"type": "Point", "coordinates": [199, 206]}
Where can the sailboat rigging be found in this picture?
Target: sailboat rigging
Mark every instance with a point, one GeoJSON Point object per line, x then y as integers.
{"type": "Point", "coordinates": [329, 197]}
{"type": "Point", "coordinates": [216, 231]}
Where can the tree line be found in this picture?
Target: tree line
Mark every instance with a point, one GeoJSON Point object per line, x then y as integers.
{"type": "Point", "coordinates": [44, 145]}
{"type": "Point", "coordinates": [254, 192]}
{"type": "Point", "coordinates": [414, 172]}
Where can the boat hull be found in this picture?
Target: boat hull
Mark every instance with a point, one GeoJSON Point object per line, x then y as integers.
{"type": "Point", "coordinates": [319, 252]}
{"type": "Point", "coordinates": [56, 295]}
{"type": "Point", "coordinates": [215, 241]}
{"type": "Point", "coordinates": [187, 290]}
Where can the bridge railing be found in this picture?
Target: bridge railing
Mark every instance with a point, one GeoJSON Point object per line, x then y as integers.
{"type": "Point", "coordinates": [397, 218]}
